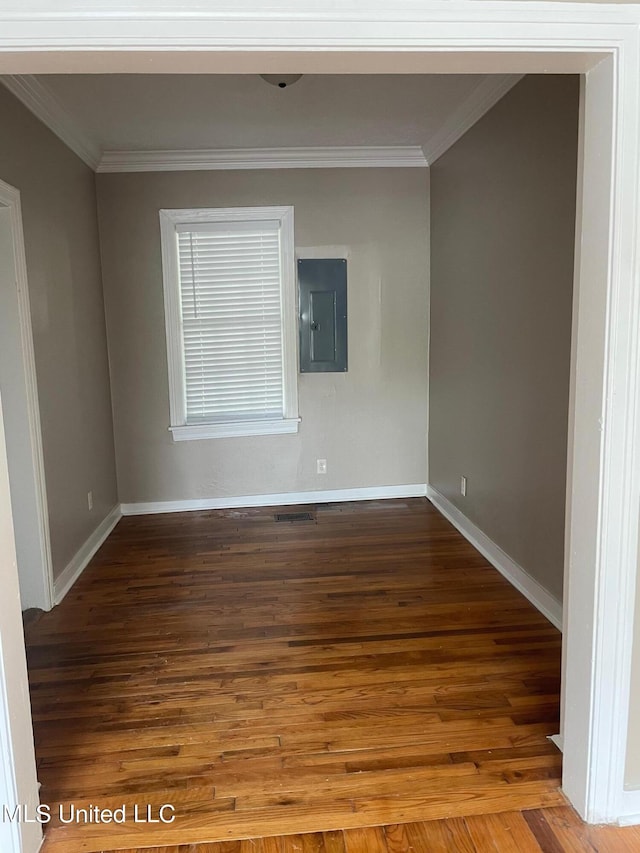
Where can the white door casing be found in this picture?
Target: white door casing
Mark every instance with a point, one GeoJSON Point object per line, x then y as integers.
{"type": "Point", "coordinates": [18, 782]}
{"type": "Point", "coordinates": [22, 413]}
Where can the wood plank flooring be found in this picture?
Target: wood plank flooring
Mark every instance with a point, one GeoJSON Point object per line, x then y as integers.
{"type": "Point", "coordinates": [364, 668]}
{"type": "Point", "coordinates": [551, 830]}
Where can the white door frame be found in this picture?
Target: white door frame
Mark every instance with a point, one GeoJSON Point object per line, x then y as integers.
{"type": "Point", "coordinates": [40, 580]}
{"type": "Point", "coordinates": [429, 36]}
{"type": "Point", "coordinates": [18, 781]}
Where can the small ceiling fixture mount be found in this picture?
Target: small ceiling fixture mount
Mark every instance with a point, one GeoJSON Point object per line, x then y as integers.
{"type": "Point", "coordinates": [281, 81]}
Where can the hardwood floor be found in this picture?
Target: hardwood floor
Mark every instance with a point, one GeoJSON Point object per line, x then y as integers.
{"type": "Point", "coordinates": [367, 667]}
{"type": "Point", "coordinates": [552, 830]}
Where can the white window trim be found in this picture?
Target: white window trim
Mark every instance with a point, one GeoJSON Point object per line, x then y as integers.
{"type": "Point", "coordinates": [180, 430]}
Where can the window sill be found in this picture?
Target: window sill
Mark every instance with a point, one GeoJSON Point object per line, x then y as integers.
{"type": "Point", "coordinates": [195, 432]}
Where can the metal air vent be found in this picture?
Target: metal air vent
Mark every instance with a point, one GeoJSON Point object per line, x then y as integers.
{"type": "Point", "coordinates": [294, 516]}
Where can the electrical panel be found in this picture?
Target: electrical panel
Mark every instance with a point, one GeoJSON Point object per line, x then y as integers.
{"type": "Point", "coordinates": [322, 284]}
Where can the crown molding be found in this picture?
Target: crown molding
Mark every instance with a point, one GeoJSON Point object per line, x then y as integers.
{"type": "Point", "coordinates": [488, 92]}
{"type": "Point", "coordinates": [484, 96]}
{"type": "Point", "coordinates": [262, 158]}
{"type": "Point", "coordinates": [45, 106]}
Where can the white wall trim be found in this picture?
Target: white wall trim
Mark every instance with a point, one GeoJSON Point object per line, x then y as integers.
{"type": "Point", "coordinates": [70, 574]}
{"type": "Point", "coordinates": [541, 598]}
{"type": "Point", "coordinates": [286, 26]}
{"type": "Point", "coordinates": [199, 432]}
{"type": "Point", "coordinates": [10, 197]}
{"type": "Point", "coordinates": [602, 522]}
{"type": "Point", "coordinates": [630, 813]}
{"type": "Point", "coordinates": [45, 106]}
{"type": "Point", "coordinates": [557, 740]}
{"type": "Point", "coordinates": [368, 493]}
{"type": "Point", "coordinates": [263, 158]}
{"type": "Point", "coordinates": [10, 835]}
{"type": "Point", "coordinates": [18, 780]}
{"type": "Point", "coordinates": [486, 94]}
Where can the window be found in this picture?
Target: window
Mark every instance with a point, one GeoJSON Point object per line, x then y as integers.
{"type": "Point", "coordinates": [229, 293]}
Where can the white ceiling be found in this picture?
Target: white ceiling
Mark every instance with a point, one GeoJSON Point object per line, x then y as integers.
{"type": "Point", "coordinates": [159, 112]}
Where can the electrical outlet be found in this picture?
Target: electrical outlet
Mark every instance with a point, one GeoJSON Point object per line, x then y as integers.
{"type": "Point", "coordinates": [90, 500]}
{"type": "Point", "coordinates": [463, 486]}
{"type": "Point", "coordinates": [321, 466]}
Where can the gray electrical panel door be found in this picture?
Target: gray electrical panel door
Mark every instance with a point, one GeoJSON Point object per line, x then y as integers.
{"type": "Point", "coordinates": [322, 284]}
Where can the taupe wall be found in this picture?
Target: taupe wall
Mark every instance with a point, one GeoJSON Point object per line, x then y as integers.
{"type": "Point", "coordinates": [370, 424]}
{"type": "Point", "coordinates": [503, 218]}
{"type": "Point", "coordinates": [63, 266]}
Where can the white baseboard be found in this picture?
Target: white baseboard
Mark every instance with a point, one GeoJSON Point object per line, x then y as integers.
{"type": "Point", "coordinates": [557, 740]}
{"type": "Point", "coordinates": [546, 603]}
{"type": "Point", "coordinates": [372, 493]}
{"type": "Point", "coordinates": [71, 573]}
{"type": "Point", "coordinates": [629, 808]}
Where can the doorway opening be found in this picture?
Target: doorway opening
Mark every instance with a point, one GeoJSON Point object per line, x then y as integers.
{"type": "Point", "coordinates": [603, 476]}
{"type": "Point", "coordinates": [391, 734]}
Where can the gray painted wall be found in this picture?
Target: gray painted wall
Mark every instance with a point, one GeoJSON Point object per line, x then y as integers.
{"type": "Point", "coordinates": [370, 423]}
{"type": "Point", "coordinates": [503, 218]}
{"type": "Point", "coordinates": [63, 266]}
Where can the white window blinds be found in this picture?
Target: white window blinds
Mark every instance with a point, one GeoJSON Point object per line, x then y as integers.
{"type": "Point", "coordinates": [230, 299]}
